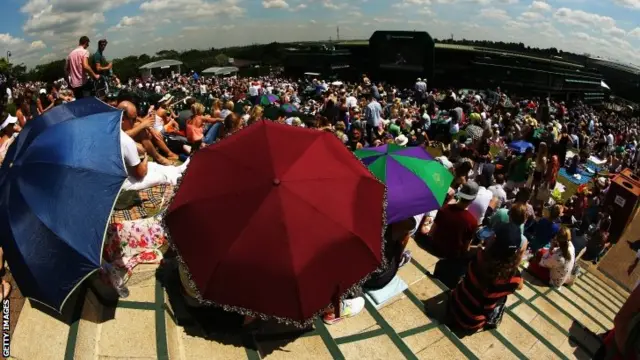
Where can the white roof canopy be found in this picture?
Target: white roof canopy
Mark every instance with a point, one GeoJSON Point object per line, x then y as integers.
{"type": "Point", "coordinates": [221, 70]}
{"type": "Point", "coordinates": [161, 64]}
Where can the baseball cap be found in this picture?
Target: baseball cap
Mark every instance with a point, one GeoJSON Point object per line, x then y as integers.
{"type": "Point", "coordinates": [508, 240]}
{"type": "Point", "coordinates": [468, 191]}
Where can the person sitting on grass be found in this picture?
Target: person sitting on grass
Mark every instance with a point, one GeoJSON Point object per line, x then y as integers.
{"type": "Point", "coordinates": [493, 275]}
{"type": "Point", "coordinates": [140, 131]}
{"type": "Point", "coordinates": [546, 228]}
{"type": "Point", "coordinates": [554, 266]}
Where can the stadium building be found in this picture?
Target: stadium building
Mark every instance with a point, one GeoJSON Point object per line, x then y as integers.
{"type": "Point", "coordinates": [404, 56]}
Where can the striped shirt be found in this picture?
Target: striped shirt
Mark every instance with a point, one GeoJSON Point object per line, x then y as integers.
{"type": "Point", "coordinates": [473, 301]}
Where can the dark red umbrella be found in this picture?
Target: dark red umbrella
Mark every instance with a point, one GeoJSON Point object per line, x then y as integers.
{"type": "Point", "coordinates": [278, 221]}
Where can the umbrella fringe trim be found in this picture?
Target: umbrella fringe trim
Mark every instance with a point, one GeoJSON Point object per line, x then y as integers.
{"type": "Point", "coordinates": [355, 288]}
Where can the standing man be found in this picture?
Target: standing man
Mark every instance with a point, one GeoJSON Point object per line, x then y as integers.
{"type": "Point", "coordinates": [76, 66]}
{"type": "Point", "coordinates": [421, 91]}
{"type": "Point", "coordinates": [100, 66]}
{"type": "Point", "coordinates": [98, 62]}
{"type": "Point", "coordinates": [373, 117]}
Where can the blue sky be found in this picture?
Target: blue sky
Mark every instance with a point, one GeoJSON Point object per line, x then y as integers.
{"type": "Point", "coordinates": [37, 31]}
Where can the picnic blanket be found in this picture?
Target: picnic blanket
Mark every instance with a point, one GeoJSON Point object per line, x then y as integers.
{"type": "Point", "coordinates": [585, 176]}
{"type": "Point", "coordinates": [152, 199]}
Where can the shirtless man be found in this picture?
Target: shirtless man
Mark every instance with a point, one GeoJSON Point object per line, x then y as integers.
{"type": "Point", "coordinates": [141, 131]}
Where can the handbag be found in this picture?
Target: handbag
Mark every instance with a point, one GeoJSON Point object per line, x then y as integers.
{"type": "Point", "coordinates": [495, 318]}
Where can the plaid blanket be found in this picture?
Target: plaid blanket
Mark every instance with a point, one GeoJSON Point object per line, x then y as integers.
{"type": "Point", "coordinates": [153, 199]}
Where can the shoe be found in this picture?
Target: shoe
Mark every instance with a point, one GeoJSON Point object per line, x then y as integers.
{"type": "Point", "coordinates": [406, 257]}
{"type": "Point", "coordinates": [348, 308]}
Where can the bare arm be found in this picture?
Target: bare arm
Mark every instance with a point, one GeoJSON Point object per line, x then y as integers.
{"type": "Point", "coordinates": [87, 68]}
{"type": "Point", "coordinates": [139, 126]}
{"type": "Point", "coordinates": [39, 106]}
{"type": "Point", "coordinates": [104, 68]}
{"type": "Point", "coordinates": [140, 171]}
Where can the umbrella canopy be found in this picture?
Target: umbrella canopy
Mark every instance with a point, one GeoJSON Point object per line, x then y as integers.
{"type": "Point", "coordinates": [520, 146]}
{"type": "Point", "coordinates": [288, 108]}
{"type": "Point", "coordinates": [292, 221]}
{"type": "Point", "coordinates": [268, 99]}
{"type": "Point", "coordinates": [416, 183]}
{"type": "Point", "coordinates": [58, 185]}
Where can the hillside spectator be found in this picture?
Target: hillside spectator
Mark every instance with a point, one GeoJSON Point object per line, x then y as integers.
{"type": "Point", "coordinates": [77, 65]}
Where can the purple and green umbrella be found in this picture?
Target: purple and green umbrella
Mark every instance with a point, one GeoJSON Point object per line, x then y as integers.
{"type": "Point", "coordinates": [268, 99]}
{"type": "Point", "coordinates": [288, 108]}
{"type": "Point", "coordinates": [416, 182]}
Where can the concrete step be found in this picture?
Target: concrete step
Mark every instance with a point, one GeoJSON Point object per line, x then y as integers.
{"type": "Point", "coordinates": [540, 322]}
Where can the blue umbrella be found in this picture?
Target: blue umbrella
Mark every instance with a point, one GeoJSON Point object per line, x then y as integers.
{"type": "Point", "coordinates": [520, 146]}
{"type": "Point", "coordinates": [58, 184]}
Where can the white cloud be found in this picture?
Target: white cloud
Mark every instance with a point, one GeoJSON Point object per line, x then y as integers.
{"type": "Point", "coordinates": [192, 9]}
{"type": "Point", "coordinates": [128, 22]}
{"type": "Point", "coordinates": [37, 45]}
{"type": "Point", "coordinates": [275, 4]}
{"type": "Point", "coordinates": [329, 4]}
{"type": "Point", "coordinates": [635, 33]}
{"type": "Point", "coordinates": [615, 32]}
{"type": "Point", "coordinates": [494, 13]}
{"type": "Point", "coordinates": [539, 6]}
{"type": "Point", "coordinates": [531, 16]}
{"type": "Point", "coordinates": [299, 7]}
{"type": "Point", "coordinates": [584, 19]}
{"type": "Point", "coordinates": [517, 25]}
{"type": "Point", "coordinates": [632, 4]}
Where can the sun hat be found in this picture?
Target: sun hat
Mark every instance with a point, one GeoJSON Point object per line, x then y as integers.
{"type": "Point", "coordinates": [401, 140]}
{"type": "Point", "coordinates": [7, 119]}
{"type": "Point", "coordinates": [468, 191]}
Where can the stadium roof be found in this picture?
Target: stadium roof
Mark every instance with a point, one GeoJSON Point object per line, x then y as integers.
{"type": "Point", "coordinates": [221, 70]}
{"type": "Point", "coordinates": [479, 49]}
{"type": "Point", "coordinates": [618, 66]}
{"type": "Point", "coordinates": [161, 64]}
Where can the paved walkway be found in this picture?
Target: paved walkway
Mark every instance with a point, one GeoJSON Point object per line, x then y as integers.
{"type": "Point", "coordinates": [540, 323]}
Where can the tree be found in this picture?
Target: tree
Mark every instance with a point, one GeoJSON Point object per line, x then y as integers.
{"type": "Point", "coordinates": [19, 72]}
{"type": "Point", "coordinates": [221, 60]}
{"type": "Point", "coordinates": [5, 66]}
